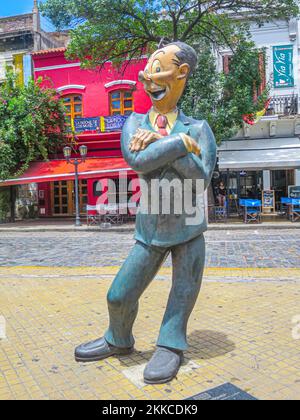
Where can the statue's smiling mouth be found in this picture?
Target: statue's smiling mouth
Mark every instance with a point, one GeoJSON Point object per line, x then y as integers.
{"type": "Point", "coordinates": [158, 94]}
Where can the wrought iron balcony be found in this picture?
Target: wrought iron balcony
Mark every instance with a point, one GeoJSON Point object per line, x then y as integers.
{"type": "Point", "coordinates": [283, 105]}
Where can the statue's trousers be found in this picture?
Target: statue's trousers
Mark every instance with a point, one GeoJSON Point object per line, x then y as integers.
{"type": "Point", "coordinates": [137, 273]}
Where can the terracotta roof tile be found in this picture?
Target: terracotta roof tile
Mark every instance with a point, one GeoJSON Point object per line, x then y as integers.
{"type": "Point", "coordinates": [50, 51]}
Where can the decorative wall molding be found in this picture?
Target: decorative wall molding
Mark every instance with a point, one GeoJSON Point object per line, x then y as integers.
{"type": "Point", "coordinates": [68, 87]}
{"type": "Point", "coordinates": [59, 66]}
{"type": "Point", "coordinates": [120, 82]}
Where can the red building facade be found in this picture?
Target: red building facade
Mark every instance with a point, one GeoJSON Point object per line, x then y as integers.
{"type": "Point", "coordinates": [87, 95]}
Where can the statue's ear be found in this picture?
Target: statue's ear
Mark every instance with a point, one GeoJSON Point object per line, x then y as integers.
{"type": "Point", "coordinates": [184, 70]}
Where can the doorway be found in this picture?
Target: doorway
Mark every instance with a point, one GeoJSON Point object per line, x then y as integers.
{"type": "Point", "coordinates": [63, 198]}
{"type": "Point", "coordinates": [280, 181]}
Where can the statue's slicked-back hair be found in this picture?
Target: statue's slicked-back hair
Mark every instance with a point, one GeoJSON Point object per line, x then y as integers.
{"type": "Point", "coordinates": [187, 54]}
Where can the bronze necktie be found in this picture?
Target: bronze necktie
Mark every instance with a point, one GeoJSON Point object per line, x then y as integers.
{"type": "Point", "coordinates": [162, 123]}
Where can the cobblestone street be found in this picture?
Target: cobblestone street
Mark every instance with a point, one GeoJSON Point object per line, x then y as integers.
{"type": "Point", "coordinates": [53, 296]}
{"type": "Point", "coordinates": [261, 248]}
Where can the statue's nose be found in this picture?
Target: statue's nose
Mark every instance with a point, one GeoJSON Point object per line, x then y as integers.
{"type": "Point", "coordinates": [143, 77]}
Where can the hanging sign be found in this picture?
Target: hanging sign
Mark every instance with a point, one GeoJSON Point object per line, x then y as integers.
{"type": "Point", "coordinates": [86, 124]}
{"type": "Point", "coordinates": [283, 66]}
{"type": "Point", "coordinates": [103, 124]}
{"type": "Point", "coordinates": [294, 191]}
{"type": "Point", "coordinates": [114, 122]}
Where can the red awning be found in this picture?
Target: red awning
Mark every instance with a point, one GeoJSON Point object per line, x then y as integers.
{"type": "Point", "coordinates": [60, 170]}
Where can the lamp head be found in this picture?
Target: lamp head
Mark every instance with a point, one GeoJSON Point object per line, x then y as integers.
{"type": "Point", "coordinates": [67, 152]}
{"type": "Point", "coordinates": [83, 151]}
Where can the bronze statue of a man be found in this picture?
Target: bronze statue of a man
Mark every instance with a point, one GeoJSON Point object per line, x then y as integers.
{"type": "Point", "coordinates": [162, 145]}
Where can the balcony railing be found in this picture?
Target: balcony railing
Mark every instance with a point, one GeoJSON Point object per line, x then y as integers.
{"type": "Point", "coordinates": [283, 105]}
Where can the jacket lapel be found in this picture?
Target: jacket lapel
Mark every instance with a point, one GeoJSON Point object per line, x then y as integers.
{"type": "Point", "coordinates": [182, 124]}
{"type": "Point", "coordinates": [146, 124]}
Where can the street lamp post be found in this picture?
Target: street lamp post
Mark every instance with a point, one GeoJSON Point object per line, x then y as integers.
{"type": "Point", "coordinates": [76, 162]}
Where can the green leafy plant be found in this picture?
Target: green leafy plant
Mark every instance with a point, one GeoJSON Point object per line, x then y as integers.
{"type": "Point", "coordinates": [32, 125]}
{"type": "Point", "coordinates": [4, 204]}
{"type": "Point", "coordinates": [222, 99]}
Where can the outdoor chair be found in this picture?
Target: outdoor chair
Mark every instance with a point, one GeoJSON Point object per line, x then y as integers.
{"type": "Point", "coordinates": [295, 210]}
{"type": "Point", "coordinates": [252, 211]}
{"type": "Point", "coordinates": [93, 218]}
{"type": "Point", "coordinates": [113, 218]}
{"type": "Point", "coordinates": [217, 213]}
{"type": "Point", "coordinates": [220, 213]}
{"type": "Point", "coordinates": [111, 214]}
{"type": "Point", "coordinates": [285, 206]}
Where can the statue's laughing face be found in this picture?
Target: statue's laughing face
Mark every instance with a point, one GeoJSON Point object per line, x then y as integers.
{"type": "Point", "coordinates": [164, 78]}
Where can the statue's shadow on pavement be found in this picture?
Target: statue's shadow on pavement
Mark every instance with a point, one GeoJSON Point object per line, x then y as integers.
{"type": "Point", "coordinates": [203, 345]}
{"type": "Point", "coordinates": [208, 344]}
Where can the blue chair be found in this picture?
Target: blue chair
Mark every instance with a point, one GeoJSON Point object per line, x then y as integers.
{"type": "Point", "coordinates": [220, 213]}
{"type": "Point", "coordinates": [242, 202]}
{"type": "Point", "coordinates": [295, 210]}
{"type": "Point", "coordinates": [252, 211]}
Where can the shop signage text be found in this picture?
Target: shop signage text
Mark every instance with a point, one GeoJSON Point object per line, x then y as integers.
{"type": "Point", "coordinates": [86, 124]}
{"type": "Point", "coordinates": [283, 66]}
{"type": "Point", "coordinates": [102, 124]}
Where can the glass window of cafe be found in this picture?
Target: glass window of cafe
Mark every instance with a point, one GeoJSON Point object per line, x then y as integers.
{"type": "Point", "coordinates": [249, 184]}
{"type": "Point", "coordinates": [241, 184]}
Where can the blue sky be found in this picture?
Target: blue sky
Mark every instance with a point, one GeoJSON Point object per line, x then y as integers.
{"type": "Point", "coordinates": [16, 7]}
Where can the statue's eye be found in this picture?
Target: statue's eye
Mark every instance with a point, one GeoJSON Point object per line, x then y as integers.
{"type": "Point", "coordinates": [156, 67]}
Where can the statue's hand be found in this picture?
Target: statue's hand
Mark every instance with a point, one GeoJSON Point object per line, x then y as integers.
{"type": "Point", "coordinates": [142, 139]}
{"type": "Point", "coordinates": [191, 145]}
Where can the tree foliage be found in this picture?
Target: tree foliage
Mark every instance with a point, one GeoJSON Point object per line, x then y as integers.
{"type": "Point", "coordinates": [109, 29]}
{"type": "Point", "coordinates": [4, 204]}
{"type": "Point", "coordinates": [32, 125]}
{"type": "Point", "coordinates": [222, 99]}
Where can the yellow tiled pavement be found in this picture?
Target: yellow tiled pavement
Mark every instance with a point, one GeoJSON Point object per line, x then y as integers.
{"type": "Point", "coordinates": [239, 332]}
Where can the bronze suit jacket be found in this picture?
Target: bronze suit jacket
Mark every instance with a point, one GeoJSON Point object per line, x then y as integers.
{"type": "Point", "coordinates": [168, 160]}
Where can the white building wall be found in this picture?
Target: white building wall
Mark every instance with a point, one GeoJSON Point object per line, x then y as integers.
{"type": "Point", "coordinates": [7, 60]}
{"type": "Point", "coordinates": [273, 34]}
{"type": "Point", "coordinates": [277, 34]}
{"type": "Point", "coordinates": [268, 36]}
